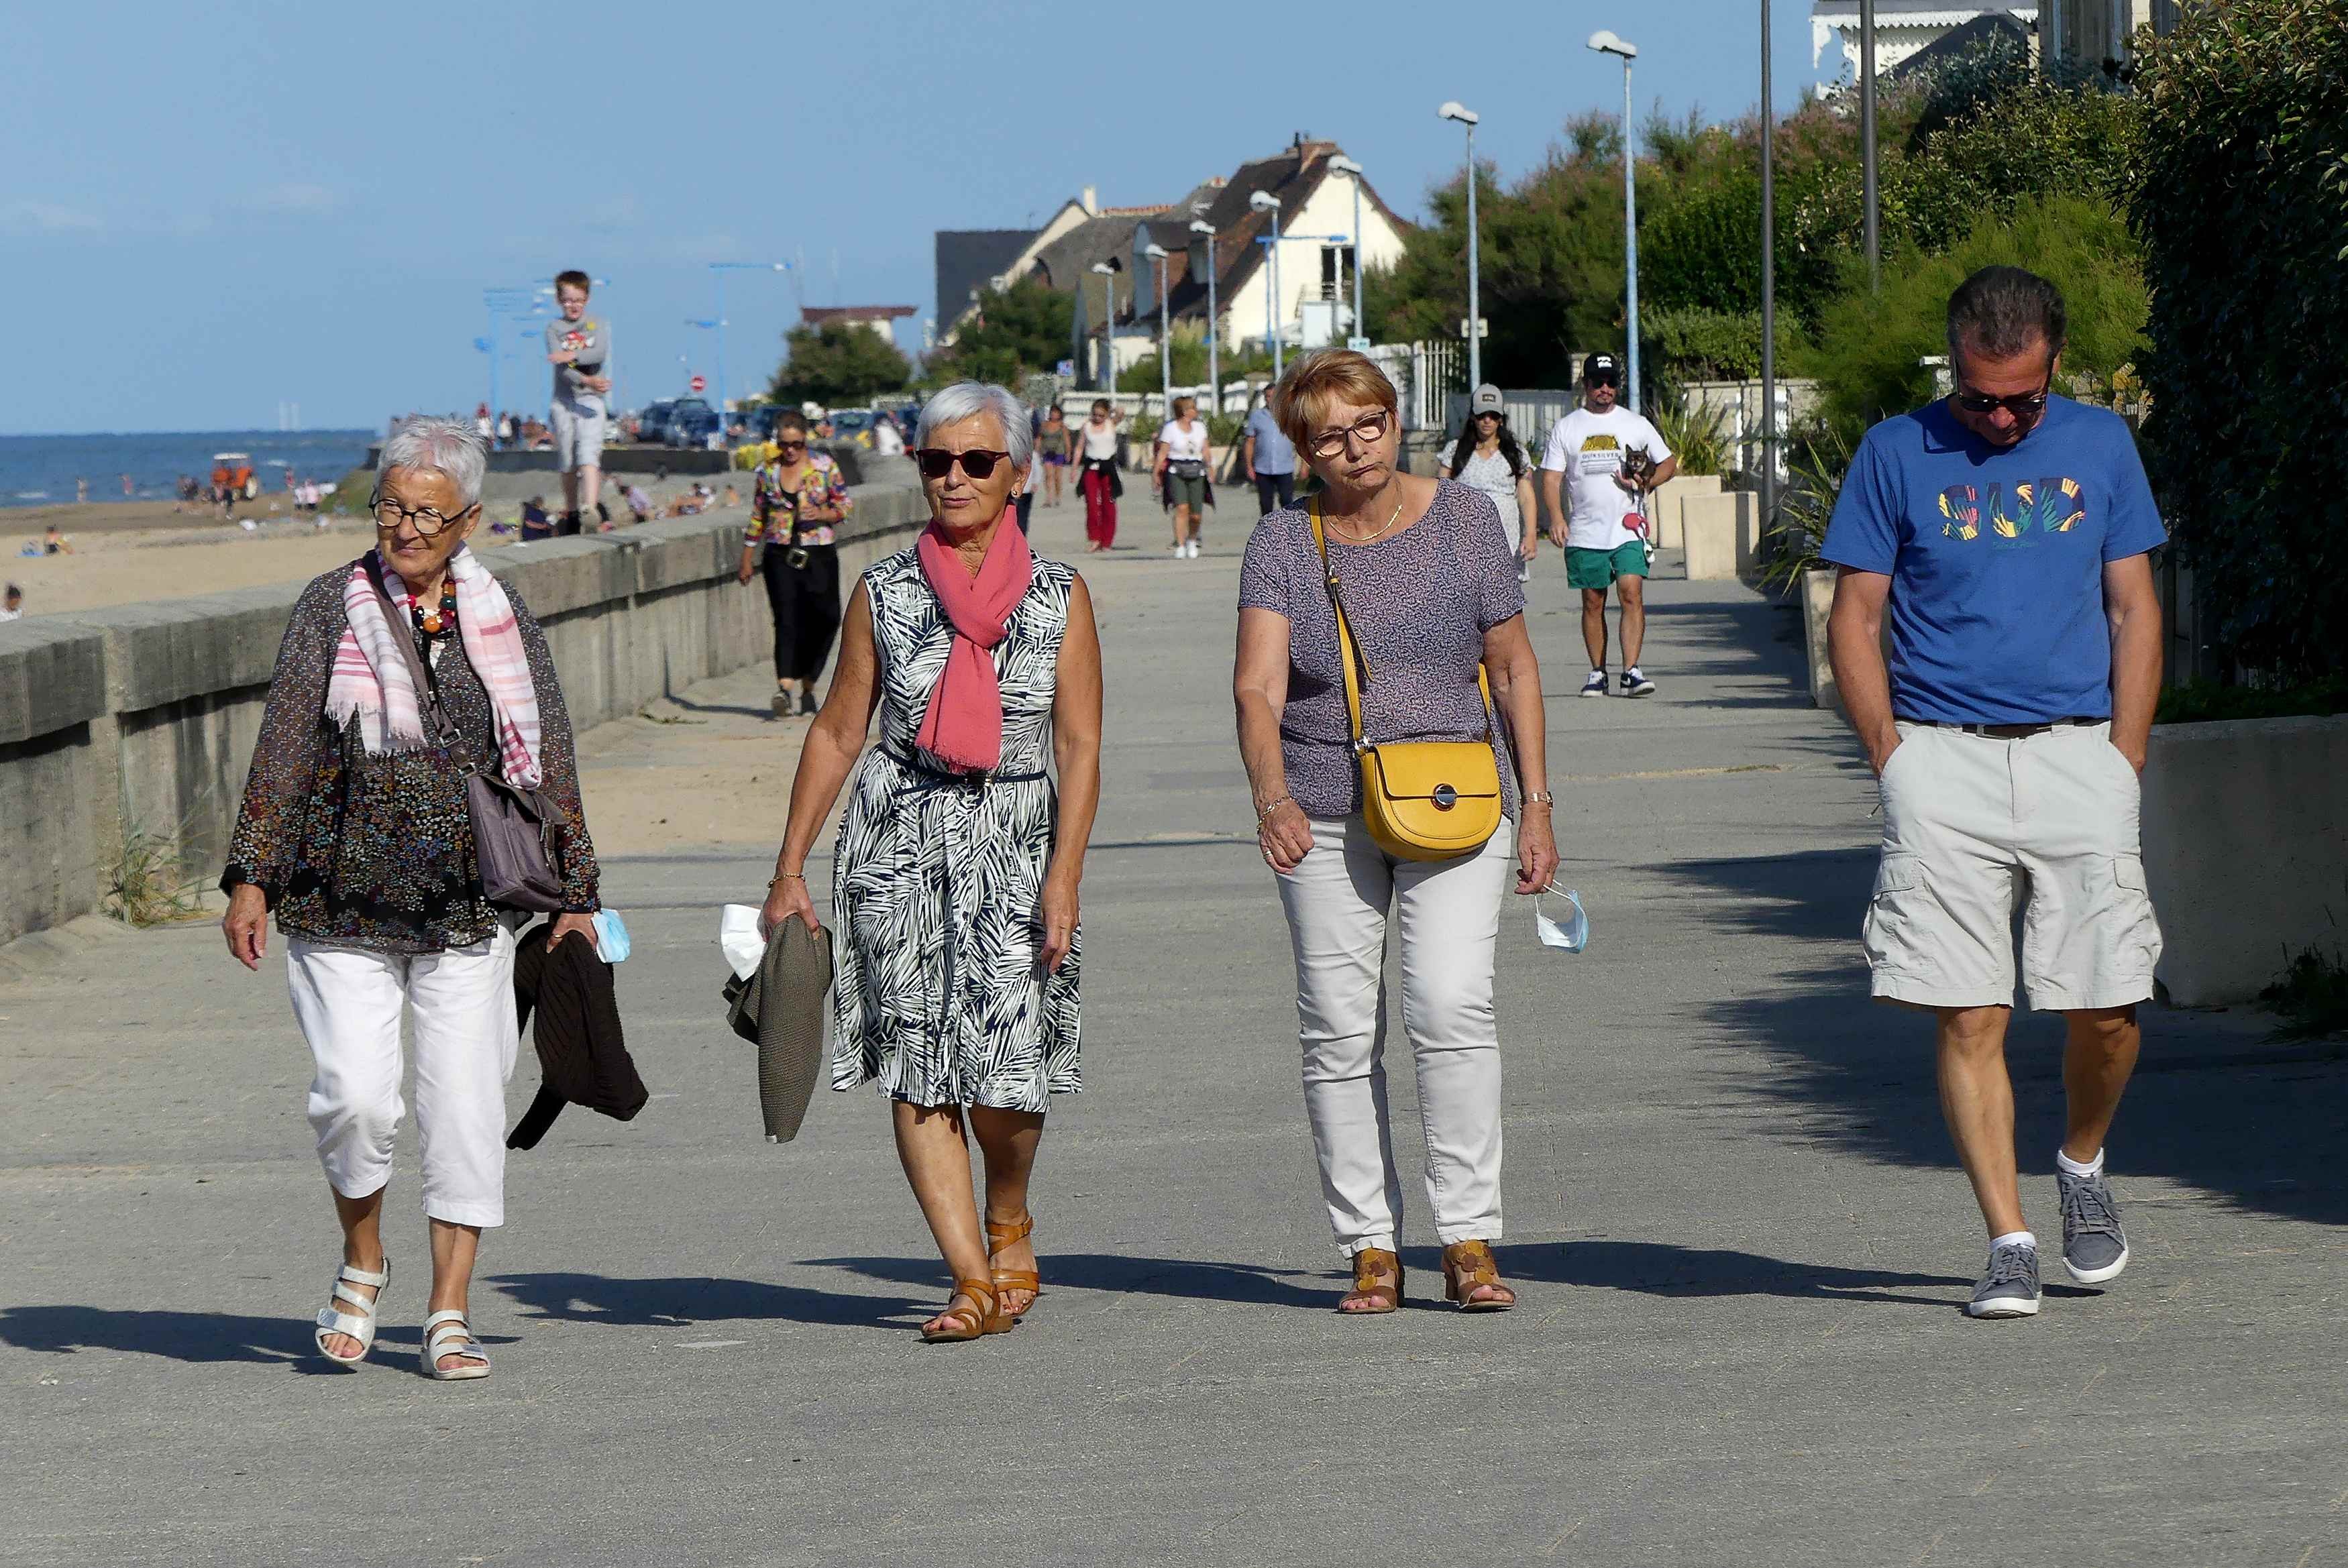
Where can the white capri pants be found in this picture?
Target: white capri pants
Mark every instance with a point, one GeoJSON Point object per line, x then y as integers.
{"type": "Point", "coordinates": [348, 1002]}
{"type": "Point", "coordinates": [1336, 900]}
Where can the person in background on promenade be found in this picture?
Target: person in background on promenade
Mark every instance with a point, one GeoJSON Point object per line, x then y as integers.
{"type": "Point", "coordinates": [984, 664]}
{"type": "Point", "coordinates": [796, 501]}
{"type": "Point", "coordinates": [888, 440]}
{"type": "Point", "coordinates": [12, 603]}
{"type": "Point", "coordinates": [1487, 459]}
{"type": "Point", "coordinates": [578, 347]}
{"type": "Point", "coordinates": [355, 831]}
{"type": "Point", "coordinates": [1100, 481]}
{"type": "Point", "coordinates": [1593, 524]}
{"type": "Point", "coordinates": [1027, 489]}
{"type": "Point", "coordinates": [1267, 459]}
{"type": "Point", "coordinates": [2009, 530]}
{"type": "Point", "coordinates": [1180, 464]}
{"type": "Point", "coordinates": [1432, 601]}
{"type": "Point", "coordinates": [483, 425]}
{"type": "Point", "coordinates": [1052, 446]}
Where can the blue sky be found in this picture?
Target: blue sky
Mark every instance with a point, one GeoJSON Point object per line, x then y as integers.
{"type": "Point", "coordinates": [214, 210]}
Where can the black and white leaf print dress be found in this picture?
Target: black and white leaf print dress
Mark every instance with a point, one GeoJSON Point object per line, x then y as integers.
{"type": "Point", "coordinates": [937, 884]}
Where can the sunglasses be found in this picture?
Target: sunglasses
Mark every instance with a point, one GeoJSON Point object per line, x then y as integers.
{"type": "Point", "coordinates": [977, 462]}
{"type": "Point", "coordinates": [1369, 429]}
{"type": "Point", "coordinates": [790, 445]}
{"type": "Point", "coordinates": [2023, 406]}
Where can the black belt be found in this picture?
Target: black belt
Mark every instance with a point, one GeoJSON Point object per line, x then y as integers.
{"type": "Point", "coordinates": [2006, 732]}
{"type": "Point", "coordinates": [937, 778]}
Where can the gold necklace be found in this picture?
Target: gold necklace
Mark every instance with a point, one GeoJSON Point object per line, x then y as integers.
{"type": "Point", "coordinates": [1373, 539]}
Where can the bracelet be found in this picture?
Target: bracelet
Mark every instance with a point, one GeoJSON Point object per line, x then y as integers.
{"type": "Point", "coordinates": [1540, 797]}
{"type": "Point", "coordinates": [787, 877]}
{"type": "Point", "coordinates": [1271, 806]}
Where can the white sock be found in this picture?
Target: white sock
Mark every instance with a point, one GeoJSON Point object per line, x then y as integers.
{"type": "Point", "coordinates": [2070, 1167]}
{"type": "Point", "coordinates": [1600, 673]}
{"type": "Point", "coordinates": [1633, 671]}
{"type": "Point", "coordinates": [2014, 1239]}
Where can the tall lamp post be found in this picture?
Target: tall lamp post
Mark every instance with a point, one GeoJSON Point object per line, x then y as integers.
{"type": "Point", "coordinates": [719, 270]}
{"type": "Point", "coordinates": [1606, 42]}
{"type": "Point", "coordinates": [1265, 201]}
{"type": "Point", "coordinates": [1159, 254]}
{"type": "Point", "coordinates": [1871, 224]}
{"type": "Point", "coordinates": [1351, 170]}
{"type": "Point", "coordinates": [1214, 319]}
{"type": "Point", "coordinates": [520, 303]}
{"type": "Point", "coordinates": [1768, 286]}
{"type": "Point", "coordinates": [1468, 118]}
{"type": "Point", "coordinates": [1108, 271]}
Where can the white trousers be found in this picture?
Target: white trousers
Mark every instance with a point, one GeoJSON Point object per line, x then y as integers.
{"type": "Point", "coordinates": [1336, 900]}
{"type": "Point", "coordinates": [349, 1002]}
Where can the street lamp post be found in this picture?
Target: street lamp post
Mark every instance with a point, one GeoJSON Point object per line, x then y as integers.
{"type": "Point", "coordinates": [1768, 287]}
{"type": "Point", "coordinates": [1468, 118]}
{"type": "Point", "coordinates": [1108, 324]}
{"type": "Point", "coordinates": [1606, 42]}
{"type": "Point", "coordinates": [1871, 222]}
{"type": "Point", "coordinates": [1214, 319]}
{"type": "Point", "coordinates": [517, 303]}
{"type": "Point", "coordinates": [719, 269]}
{"type": "Point", "coordinates": [1159, 254]}
{"type": "Point", "coordinates": [1347, 167]}
{"type": "Point", "coordinates": [1265, 201]}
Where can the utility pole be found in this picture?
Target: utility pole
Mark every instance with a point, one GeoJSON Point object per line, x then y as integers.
{"type": "Point", "coordinates": [1874, 238]}
{"type": "Point", "coordinates": [1214, 319]}
{"type": "Point", "coordinates": [1768, 286]}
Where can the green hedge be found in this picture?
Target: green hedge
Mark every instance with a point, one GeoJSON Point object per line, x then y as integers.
{"type": "Point", "coordinates": [2243, 213]}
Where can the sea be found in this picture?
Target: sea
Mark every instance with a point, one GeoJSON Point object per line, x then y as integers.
{"type": "Point", "coordinates": [44, 470]}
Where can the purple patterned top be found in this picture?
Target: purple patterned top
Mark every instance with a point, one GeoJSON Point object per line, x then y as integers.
{"type": "Point", "coordinates": [1419, 603]}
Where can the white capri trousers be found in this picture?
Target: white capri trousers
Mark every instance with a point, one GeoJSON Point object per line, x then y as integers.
{"type": "Point", "coordinates": [349, 1002]}
{"type": "Point", "coordinates": [1336, 900]}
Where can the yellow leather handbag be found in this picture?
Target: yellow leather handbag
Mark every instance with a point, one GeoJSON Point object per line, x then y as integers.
{"type": "Point", "coordinates": [1421, 800]}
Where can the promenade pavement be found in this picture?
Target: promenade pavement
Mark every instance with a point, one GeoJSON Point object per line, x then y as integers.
{"type": "Point", "coordinates": [1740, 1237]}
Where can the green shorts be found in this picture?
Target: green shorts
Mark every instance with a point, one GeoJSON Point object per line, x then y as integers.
{"type": "Point", "coordinates": [1191, 492]}
{"type": "Point", "coordinates": [1598, 568]}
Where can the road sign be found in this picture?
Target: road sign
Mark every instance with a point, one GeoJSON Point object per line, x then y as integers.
{"type": "Point", "coordinates": [1359, 345]}
{"type": "Point", "coordinates": [1483, 327]}
{"type": "Point", "coordinates": [698, 385]}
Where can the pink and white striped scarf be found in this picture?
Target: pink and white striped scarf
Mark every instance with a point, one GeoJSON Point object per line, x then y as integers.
{"type": "Point", "coordinates": [371, 678]}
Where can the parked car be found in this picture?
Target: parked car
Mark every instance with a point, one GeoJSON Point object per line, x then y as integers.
{"type": "Point", "coordinates": [652, 425]}
{"type": "Point", "coordinates": [848, 424]}
{"type": "Point", "coordinates": [692, 424]}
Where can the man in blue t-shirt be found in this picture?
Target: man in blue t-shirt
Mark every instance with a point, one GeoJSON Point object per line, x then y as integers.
{"type": "Point", "coordinates": [1269, 461]}
{"type": "Point", "coordinates": [2008, 530]}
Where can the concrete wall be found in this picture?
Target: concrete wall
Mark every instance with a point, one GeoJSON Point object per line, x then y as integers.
{"type": "Point", "coordinates": [141, 719]}
{"type": "Point", "coordinates": [2246, 850]}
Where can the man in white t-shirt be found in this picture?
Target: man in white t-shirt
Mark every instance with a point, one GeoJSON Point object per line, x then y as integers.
{"type": "Point", "coordinates": [1610, 457]}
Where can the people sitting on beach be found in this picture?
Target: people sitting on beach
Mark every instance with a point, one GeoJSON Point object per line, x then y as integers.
{"type": "Point", "coordinates": [733, 497]}
{"type": "Point", "coordinates": [12, 603]}
{"type": "Point", "coordinates": [54, 543]}
{"type": "Point", "coordinates": [639, 503]}
{"type": "Point", "coordinates": [535, 523]}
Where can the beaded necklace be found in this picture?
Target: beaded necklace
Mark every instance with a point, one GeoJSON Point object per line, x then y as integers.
{"type": "Point", "coordinates": [441, 619]}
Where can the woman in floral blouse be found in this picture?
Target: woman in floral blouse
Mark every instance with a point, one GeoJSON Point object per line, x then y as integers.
{"type": "Point", "coordinates": [355, 831]}
{"type": "Point", "coordinates": [800, 494]}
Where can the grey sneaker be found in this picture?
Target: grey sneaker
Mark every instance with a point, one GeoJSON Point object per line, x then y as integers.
{"type": "Point", "coordinates": [2010, 1288]}
{"type": "Point", "coordinates": [2094, 1249]}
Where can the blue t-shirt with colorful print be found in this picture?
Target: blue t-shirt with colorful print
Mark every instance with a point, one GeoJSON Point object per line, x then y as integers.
{"type": "Point", "coordinates": [1996, 558]}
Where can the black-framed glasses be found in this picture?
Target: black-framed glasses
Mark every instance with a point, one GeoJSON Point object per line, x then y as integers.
{"type": "Point", "coordinates": [799, 446]}
{"type": "Point", "coordinates": [1369, 430]}
{"type": "Point", "coordinates": [978, 462]}
{"type": "Point", "coordinates": [389, 514]}
{"type": "Point", "coordinates": [2022, 406]}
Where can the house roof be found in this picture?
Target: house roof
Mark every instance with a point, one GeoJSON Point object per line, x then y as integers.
{"type": "Point", "coordinates": [970, 259]}
{"type": "Point", "coordinates": [1981, 38]}
{"type": "Point", "coordinates": [819, 315]}
{"type": "Point", "coordinates": [1292, 175]}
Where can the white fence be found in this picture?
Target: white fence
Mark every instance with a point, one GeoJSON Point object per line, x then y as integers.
{"type": "Point", "coordinates": [1424, 375]}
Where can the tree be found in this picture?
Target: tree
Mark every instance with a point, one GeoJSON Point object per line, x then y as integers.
{"type": "Point", "coordinates": [837, 363]}
{"type": "Point", "coordinates": [1017, 330]}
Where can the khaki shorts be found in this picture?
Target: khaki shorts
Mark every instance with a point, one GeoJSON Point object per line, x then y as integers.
{"type": "Point", "coordinates": [1971, 823]}
{"type": "Point", "coordinates": [578, 433]}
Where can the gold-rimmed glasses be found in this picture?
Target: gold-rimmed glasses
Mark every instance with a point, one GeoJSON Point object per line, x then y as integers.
{"type": "Point", "coordinates": [1369, 429]}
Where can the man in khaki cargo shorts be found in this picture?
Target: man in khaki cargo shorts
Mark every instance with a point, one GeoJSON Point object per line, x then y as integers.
{"type": "Point", "coordinates": [2008, 530]}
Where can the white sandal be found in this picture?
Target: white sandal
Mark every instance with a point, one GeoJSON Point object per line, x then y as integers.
{"type": "Point", "coordinates": [358, 1326]}
{"type": "Point", "coordinates": [446, 1333]}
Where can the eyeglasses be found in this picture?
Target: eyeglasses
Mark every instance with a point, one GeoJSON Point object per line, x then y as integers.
{"type": "Point", "coordinates": [390, 514]}
{"type": "Point", "coordinates": [1369, 429]}
{"type": "Point", "coordinates": [977, 462]}
{"type": "Point", "coordinates": [2023, 406]}
{"type": "Point", "coordinates": [790, 445]}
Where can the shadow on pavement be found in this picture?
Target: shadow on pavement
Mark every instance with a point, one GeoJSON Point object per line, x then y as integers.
{"type": "Point", "coordinates": [194, 1336]}
{"type": "Point", "coordinates": [1248, 1284]}
{"type": "Point", "coordinates": [683, 1301]}
{"type": "Point", "coordinates": [1659, 1268]}
{"type": "Point", "coordinates": [1756, 636]}
{"type": "Point", "coordinates": [2214, 1105]}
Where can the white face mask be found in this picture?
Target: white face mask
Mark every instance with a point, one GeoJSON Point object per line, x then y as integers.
{"type": "Point", "coordinates": [1571, 935]}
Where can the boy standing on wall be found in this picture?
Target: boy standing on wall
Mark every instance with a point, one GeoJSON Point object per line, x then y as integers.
{"type": "Point", "coordinates": [579, 346]}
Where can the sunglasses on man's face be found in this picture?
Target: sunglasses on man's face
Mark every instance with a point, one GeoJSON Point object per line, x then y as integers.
{"type": "Point", "coordinates": [2023, 406]}
{"type": "Point", "coordinates": [977, 462]}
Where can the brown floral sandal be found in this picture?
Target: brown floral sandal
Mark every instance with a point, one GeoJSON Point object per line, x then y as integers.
{"type": "Point", "coordinates": [999, 1236]}
{"type": "Point", "coordinates": [1469, 1267]}
{"type": "Point", "coordinates": [961, 1323]}
{"type": "Point", "coordinates": [1377, 1284]}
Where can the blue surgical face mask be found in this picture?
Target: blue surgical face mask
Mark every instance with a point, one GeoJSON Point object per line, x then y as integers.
{"type": "Point", "coordinates": [610, 936]}
{"type": "Point", "coordinates": [1570, 935]}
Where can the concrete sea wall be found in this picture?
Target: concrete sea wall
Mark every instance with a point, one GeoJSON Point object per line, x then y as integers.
{"type": "Point", "coordinates": [138, 721]}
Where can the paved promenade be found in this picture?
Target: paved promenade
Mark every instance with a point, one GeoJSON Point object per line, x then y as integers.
{"type": "Point", "coordinates": [1739, 1235]}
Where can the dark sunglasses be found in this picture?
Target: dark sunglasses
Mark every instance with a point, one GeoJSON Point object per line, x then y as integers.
{"type": "Point", "coordinates": [937, 462]}
{"type": "Point", "coordinates": [798, 445]}
{"type": "Point", "coordinates": [1607, 380]}
{"type": "Point", "coordinates": [2023, 406]}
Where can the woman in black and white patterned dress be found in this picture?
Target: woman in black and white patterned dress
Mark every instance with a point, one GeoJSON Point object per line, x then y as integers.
{"type": "Point", "coordinates": [954, 883]}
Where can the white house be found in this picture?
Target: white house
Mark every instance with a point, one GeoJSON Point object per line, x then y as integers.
{"type": "Point", "coordinates": [1901, 27]}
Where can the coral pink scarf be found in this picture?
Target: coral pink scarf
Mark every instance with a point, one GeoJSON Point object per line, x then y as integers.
{"type": "Point", "coordinates": [963, 725]}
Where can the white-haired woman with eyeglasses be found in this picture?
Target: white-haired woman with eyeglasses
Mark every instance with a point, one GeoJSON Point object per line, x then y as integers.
{"type": "Point", "coordinates": [355, 831]}
{"type": "Point", "coordinates": [953, 885]}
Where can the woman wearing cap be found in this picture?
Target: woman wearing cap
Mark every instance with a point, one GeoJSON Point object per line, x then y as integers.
{"type": "Point", "coordinates": [1432, 601]}
{"type": "Point", "coordinates": [954, 881]}
{"type": "Point", "coordinates": [1488, 458]}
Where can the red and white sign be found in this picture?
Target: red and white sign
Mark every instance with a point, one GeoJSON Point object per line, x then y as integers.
{"type": "Point", "coordinates": [698, 385]}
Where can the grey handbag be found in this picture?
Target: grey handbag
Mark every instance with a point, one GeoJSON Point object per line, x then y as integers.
{"type": "Point", "coordinates": [513, 828]}
{"type": "Point", "coordinates": [779, 1008]}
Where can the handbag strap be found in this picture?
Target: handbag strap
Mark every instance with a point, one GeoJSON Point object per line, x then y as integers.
{"type": "Point", "coordinates": [427, 693]}
{"type": "Point", "coordinates": [1349, 652]}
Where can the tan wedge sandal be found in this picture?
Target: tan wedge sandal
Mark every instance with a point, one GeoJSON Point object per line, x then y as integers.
{"type": "Point", "coordinates": [970, 1322]}
{"type": "Point", "coordinates": [1027, 1279]}
{"type": "Point", "coordinates": [1377, 1281]}
{"type": "Point", "coordinates": [1468, 1267]}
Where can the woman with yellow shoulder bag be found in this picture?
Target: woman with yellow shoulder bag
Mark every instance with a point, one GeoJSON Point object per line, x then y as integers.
{"type": "Point", "coordinates": [1390, 718]}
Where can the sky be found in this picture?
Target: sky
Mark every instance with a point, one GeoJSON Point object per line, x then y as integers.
{"type": "Point", "coordinates": [214, 212]}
